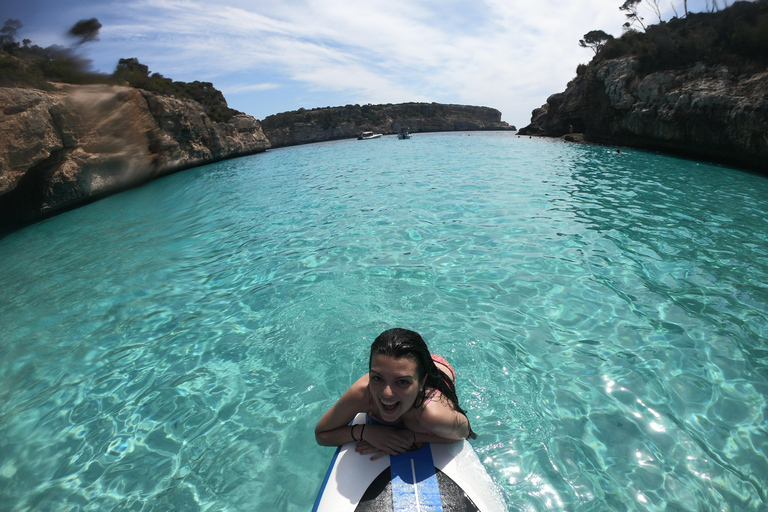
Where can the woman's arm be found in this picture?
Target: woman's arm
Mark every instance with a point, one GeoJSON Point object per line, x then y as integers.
{"type": "Point", "coordinates": [445, 424]}
{"type": "Point", "coordinates": [333, 429]}
{"type": "Point", "coordinates": [439, 423]}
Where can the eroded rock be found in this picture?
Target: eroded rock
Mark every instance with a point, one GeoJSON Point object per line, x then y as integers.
{"type": "Point", "coordinates": [704, 111]}
{"type": "Point", "coordinates": [64, 148]}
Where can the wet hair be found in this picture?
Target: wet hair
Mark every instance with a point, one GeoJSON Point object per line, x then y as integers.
{"type": "Point", "coordinates": [401, 343]}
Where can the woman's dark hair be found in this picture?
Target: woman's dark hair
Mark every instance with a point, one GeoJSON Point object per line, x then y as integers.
{"type": "Point", "coordinates": [399, 343]}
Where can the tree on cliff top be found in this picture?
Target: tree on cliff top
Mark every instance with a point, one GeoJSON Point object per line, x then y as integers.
{"type": "Point", "coordinates": [8, 32]}
{"type": "Point", "coordinates": [133, 72]}
{"type": "Point", "coordinates": [33, 66]}
{"type": "Point", "coordinates": [86, 31]}
{"type": "Point", "coordinates": [595, 39]}
{"type": "Point", "coordinates": [632, 15]}
{"type": "Point", "coordinates": [136, 74]}
{"type": "Point", "coordinates": [736, 37]}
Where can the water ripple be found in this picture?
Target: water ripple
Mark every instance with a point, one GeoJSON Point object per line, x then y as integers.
{"type": "Point", "coordinates": [172, 347]}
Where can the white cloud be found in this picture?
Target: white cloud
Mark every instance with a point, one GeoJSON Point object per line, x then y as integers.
{"type": "Point", "coordinates": [507, 54]}
{"type": "Point", "coordinates": [241, 88]}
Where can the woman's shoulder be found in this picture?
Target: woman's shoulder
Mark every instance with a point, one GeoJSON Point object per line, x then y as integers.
{"type": "Point", "coordinates": [359, 389]}
{"type": "Point", "coordinates": [438, 416]}
{"type": "Point", "coordinates": [353, 401]}
{"type": "Point", "coordinates": [356, 397]}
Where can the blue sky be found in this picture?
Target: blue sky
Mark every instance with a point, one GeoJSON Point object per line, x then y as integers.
{"type": "Point", "coordinates": [270, 56]}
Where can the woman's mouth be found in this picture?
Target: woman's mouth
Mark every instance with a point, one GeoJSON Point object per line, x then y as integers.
{"type": "Point", "coordinates": [388, 406]}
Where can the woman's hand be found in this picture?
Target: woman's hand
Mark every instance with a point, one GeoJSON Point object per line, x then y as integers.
{"type": "Point", "coordinates": [382, 440]}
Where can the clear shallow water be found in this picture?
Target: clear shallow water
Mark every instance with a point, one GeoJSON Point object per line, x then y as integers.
{"type": "Point", "coordinates": [171, 347]}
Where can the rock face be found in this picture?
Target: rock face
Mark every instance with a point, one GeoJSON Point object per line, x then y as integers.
{"type": "Point", "coordinates": [333, 123]}
{"type": "Point", "coordinates": [64, 148]}
{"type": "Point", "coordinates": [703, 112]}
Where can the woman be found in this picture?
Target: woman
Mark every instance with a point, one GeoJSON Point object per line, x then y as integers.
{"type": "Point", "coordinates": [409, 396]}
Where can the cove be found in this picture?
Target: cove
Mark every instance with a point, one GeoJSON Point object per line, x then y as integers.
{"type": "Point", "coordinates": [174, 345]}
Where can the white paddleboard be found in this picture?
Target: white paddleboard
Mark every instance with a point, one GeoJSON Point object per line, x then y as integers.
{"type": "Point", "coordinates": [437, 477]}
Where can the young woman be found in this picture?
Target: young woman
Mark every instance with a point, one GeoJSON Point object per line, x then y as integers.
{"type": "Point", "coordinates": [409, 396]}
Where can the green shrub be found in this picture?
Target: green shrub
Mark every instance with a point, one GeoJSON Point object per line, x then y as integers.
{"type": "Point", "coordinates": [136, 74]}
{"type": "Point", "coordinates": [736, 37]}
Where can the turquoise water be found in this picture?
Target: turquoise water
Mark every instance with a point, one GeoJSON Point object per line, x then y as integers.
{"type": "Point", "coordinates": [171, 347]}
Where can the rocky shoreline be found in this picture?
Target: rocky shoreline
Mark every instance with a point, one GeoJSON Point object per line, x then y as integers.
{"type": "Point", "coordinates": [64, 148]}
{"type": "Point", "coordinates": [704, 112]}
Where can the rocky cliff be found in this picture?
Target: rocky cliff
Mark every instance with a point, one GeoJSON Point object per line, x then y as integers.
{"type": "Point", "coordinates": [707, 112]}
{"type": "Point", "coordinates": [332, 123]}
{"type": "Point", "coordinates": [69, 146]}
{"type": "Point", "coordinates": [695, 85]}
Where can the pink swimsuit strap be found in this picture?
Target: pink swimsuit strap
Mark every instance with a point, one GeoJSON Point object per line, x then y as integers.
{"type": "Point", "coordinates": [424, 405]}
{"type": "Point", "coordinates": [440, 359]}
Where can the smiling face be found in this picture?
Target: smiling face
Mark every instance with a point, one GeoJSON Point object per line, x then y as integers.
{"type": "Point", "coordinates": [394, 385]}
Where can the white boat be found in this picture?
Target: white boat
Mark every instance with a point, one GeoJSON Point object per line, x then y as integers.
{"type": "Point", "coordinates": [368, 135]}
{"type": "Point", "coordinates": [404, 133]}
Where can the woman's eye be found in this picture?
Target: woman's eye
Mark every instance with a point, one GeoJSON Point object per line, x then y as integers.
{"type": "Point", "coordinates": [404, 382]}
{"type": "Point", "coordinates": [376, 378]}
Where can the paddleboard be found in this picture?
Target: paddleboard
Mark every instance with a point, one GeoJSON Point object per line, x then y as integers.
{"type": "Point", "coordinates": [434, 478]}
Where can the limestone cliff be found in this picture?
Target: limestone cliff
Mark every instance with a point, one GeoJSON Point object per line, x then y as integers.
{"type": "Point", "coordinates": [63, 148]}
{"type": "Point", "coordinates": [707, 112]}
{"type": "Point", "coordinates": [695, 85]}
{"type": "Point", "coordinates": [332, 123]}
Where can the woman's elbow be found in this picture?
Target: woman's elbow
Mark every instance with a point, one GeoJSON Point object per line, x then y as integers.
{"type": "Point", "coordinates": [319, 437]}
{"type": "Point", "coordinates": [458, 435]}
{"type": "Point", "coordinates": [322, 437]}
{"type": "Point", "coordinates": [462, 430]}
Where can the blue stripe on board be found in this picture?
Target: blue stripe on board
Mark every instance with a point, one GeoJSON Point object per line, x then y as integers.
{"type": "Point", "coordinates": [414, 482]}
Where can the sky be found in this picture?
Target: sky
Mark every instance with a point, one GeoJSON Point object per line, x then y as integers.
{"type": "Point", "coordinates": [271, 56]}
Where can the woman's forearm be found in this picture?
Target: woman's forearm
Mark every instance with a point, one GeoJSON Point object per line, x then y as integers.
{"type": "Point", "coordinates": [339, 436]}
{"type": "Point", "coordinates": [447, 430]}
{"type": "Point", "coordinates": [423, 437]}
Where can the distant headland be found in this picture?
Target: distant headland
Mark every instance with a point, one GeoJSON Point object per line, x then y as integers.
{"type": "Point", "coordinates": [333, 123]}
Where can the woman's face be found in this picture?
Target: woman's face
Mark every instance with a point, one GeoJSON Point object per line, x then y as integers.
{"type": "Point", "coordinates": [394, 385]}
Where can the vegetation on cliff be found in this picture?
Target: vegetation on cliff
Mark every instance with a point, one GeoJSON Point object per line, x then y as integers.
{"type": "Point", "coordinates": [328, 117]}
{"type": "Point", "coordinates": [332, 123]}
{"type": "Point", "coordinates": [736, 37]}
{"type": "Point", "coordinates": [325, 117]}
{"type": "Point", "coordinates": [28, 65]}
{"type": "Point", "coordinates": [695, 86]}
{"type": "Point", "coordinates": [136, 74]}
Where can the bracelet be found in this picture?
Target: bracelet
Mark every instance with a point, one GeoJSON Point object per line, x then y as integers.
{"type": "Point", "coordinates": [361, 432]}
{"type": "Point", "coordinates": [352, 432]}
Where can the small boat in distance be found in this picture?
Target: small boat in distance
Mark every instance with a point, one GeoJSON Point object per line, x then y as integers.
{"type": "Point", "coordinates": [404, 133]}
{"type": "Point", "coordinates": [368, 135]}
